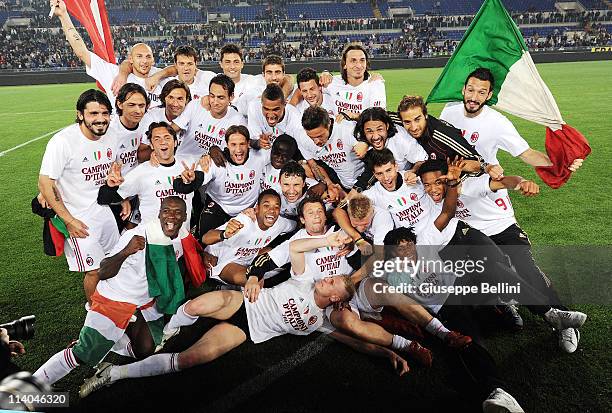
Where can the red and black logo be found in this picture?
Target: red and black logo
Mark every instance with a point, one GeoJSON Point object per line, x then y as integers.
{"type": "Point", "coordinates": [339, 144]}
{"type": "Point", "coordinates": [109, 154]}
{"type": "Point", "coordinates": [312, 320]}
{"type": "Point", "coordinates": [359, 97]}
{"type": "Point", "coordinates": [474, 137]}
{"type": "Point", "coordinates": [89, 260]}
{"type": "Point", "coordinates": [252, 174]}
{"type": "Point", "coordinates": [414, 196]}
{"type": "Point", "coordinates": [459, 203]}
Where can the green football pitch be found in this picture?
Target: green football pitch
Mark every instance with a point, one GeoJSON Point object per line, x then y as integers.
{"type": "Point", "coordinates": [314, 374]}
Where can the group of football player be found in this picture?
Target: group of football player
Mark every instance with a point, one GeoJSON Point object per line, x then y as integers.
{"type": "Point", "coordinates": [293, 193]}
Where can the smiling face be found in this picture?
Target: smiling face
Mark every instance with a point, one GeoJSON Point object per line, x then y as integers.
{"type": "Point", "coordinates": [141, 57]}
{"type": "Point", "coordinates": [238, 147]}
{"type": "Point", "coordinates": [133, 109]}
{"type": "Point", "coordinates": [375, 132]}
{"type": "Point", "coordinates": [163, 144]}
{"type": "Point", "coordinates": [186, 68]}
{"type": "Point", "coordinates": [434, 187]}
{"type": "Point", "coordinates": [172, 214]}
{"type": "Point", "coordinates": [219, 100]}
{"type": "Point", "coordinates": [273, 73]}
{"type": "Point", "coordinates": [332, 288]}
{"type": "Point", "coordinates": [273, 110]}
{"type": "Point", "coordinates": [94, 120]}
{"type": "Point", "coordinates": [312, 92]}
{"type": "Point", "coordinates": [292, 187]}
{"type": "Point", "coordinates": [475, 95]}
{"type": "Point", "coordinates": [387, 175]}
{"type": "Point", "coordinates": [356, 64]}
{"type": "Point", "coordinates": [319, 135]}
{"type": "Point", "coordinates": [313, 218]}
{"type": "Point", "coordinates": [175, 102]}
{"type": "Point", "coordinates": [232, 65]}
{"type": "Point", "coordinates": [414, 121]}
{"type": "Point", "coordinates": [267, 211]}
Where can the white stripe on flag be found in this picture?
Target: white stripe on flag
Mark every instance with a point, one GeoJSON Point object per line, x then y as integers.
{"type": "Point", "coordinates": [103, 325]}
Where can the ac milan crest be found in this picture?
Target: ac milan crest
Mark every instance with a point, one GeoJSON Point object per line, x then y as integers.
{"type": "Point", "coordinates": [359, 97]}
{"type": "Point", "coordinates": [339, 144]}
{"type": "Point", "coordinates": [474, 137]}
{"type": "Point", "coordinates": [413, 196]}
{"type": "Point", "coordinates": [312, 320]}
{"type": "Point", "coordinates": [252, 174]}
{"type": "Point", "coordinates": [221, 132]}
{"type": "Point", "coordinates": [89, 261]}
{"type": "Point", "coordinates": [109, 154]}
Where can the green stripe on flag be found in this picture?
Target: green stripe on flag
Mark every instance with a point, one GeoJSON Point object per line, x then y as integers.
{"type": "Point", "coordinates": [92, 346]}
{"type": "Point", "coordinates": [60, 226]}
{"type": "Point", "coordinates": [164, 277]}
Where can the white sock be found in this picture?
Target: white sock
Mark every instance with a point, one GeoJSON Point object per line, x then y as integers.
{"type": "Point", "coordinates": [400, 343]}
{"type": "Point", "coordinates": [154, 365]}
{"type": "Point", "coordinates": [58, 366]}
{"type": "Point", "coordinates": [181, 318]}
{"type": "Point", "coordinates": [436, 328]}
{"type": "Point", "coordinates": [123, 347]}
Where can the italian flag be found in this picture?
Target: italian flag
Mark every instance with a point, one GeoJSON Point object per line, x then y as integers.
{"type": "Point", "coordinates": [163, 272]}
{"type": "Point", "coordinates": [348, 95]}
{"type": "Point", "coordinates": [58, 232]}
{"type": "Point", "coordinates": [240, 177]}
{"type": "Point", "coordinates": [97, 155]}
{"type": "Point", "coordinates": [211, 128]}
{"type": "Point", "coordinates": [493, 41]}
{"type": "Point", "coordinates": [402, 201]}
{"type": "Point", "coordinates": [272, 179]}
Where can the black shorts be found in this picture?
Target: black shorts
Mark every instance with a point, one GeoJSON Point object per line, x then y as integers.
{"type": "Point", "coordinates": [211, 217]}
{"type": "Point", "coordinates": [240, 320]}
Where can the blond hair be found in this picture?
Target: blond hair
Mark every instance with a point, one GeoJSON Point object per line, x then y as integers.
{"type": "Point", "coordinates": [360, 206]}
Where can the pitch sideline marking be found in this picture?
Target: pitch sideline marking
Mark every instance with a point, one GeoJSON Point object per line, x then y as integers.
{"type": "Point", "coordinates": [258, 383]}
{"type": "Point", "coordinates": [21, 145]}
{"type": "Point", "coordinates": [34, 113]}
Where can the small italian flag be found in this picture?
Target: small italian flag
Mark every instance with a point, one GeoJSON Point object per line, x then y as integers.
{"type": "Point", "coordinates": [258, 241]}
{"type": "Point", "coordinates": [272, 179]}
{"type": "Point", "coordinates": [493, 41]}
{"type": "Point", "coordinates": [135, 142]}
{"type": "Point", "coordinates": [402, 201]}
{"type": "Point", "coordinates": [211, 128]}
{"type": "Point", "coordinates": [329, 147]}
{"type": "Point", "coordinates": [170, 179]}
{"type": "Point", "coordinates": [240, 177]}
{"type": "Point", "coordinates": [163, 273]}
{"type": "Point", "coordinates": [97, 155]}
{"type": "Point", "coordinates": [348, 95]}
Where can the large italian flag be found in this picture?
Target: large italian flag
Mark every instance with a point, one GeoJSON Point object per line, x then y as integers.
{"type": "Point", "coordinates": [93, 16]}
{"type": "Point", "coordinates": [493, 41]}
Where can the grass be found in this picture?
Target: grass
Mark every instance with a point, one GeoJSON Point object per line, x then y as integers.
{"type": "Point", "coordinates": [541, 377]}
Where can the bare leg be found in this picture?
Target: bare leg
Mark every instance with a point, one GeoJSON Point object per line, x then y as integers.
{"type": "Point", "coordinates": [347, 321]}
{"type": "Point", "coordinates": [216, 342]}
{"type": "Point", "coordinates": [219, 305]}
{"type": "Point", "coordinates": [89, 284]}
{"type": "Point", "coordinates": [234, 273]}
{"type": "Point", "coordinates": [140, 337]}
{"type": "Point", "coordinates": [406, 306]}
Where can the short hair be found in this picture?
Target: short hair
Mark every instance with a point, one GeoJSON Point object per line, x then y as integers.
{"type": "Point", "coordinates": [155, 125]}
{"type": "Point", "coordinates": [92, 95]}
{"type": "Point", "coordinates": [349, 286]}
{"type": "Point", "coordinates": [240, 129]}
{"type": "Point", "coordinates": [170, 86]}
{"type": "Point", "coordinates": [396, 235]}
{"type": "Point", "coordinates": [272, 59]}
{"type": "Point", "coordinates": [268, 192]}
{"type": "Point", "coordinates": [360, 206]}
{"type": "Point", "coordinates": [310, 199]}
{"type": "Point", "coordinates": [373, 114]}
{"type": "Point", "coordinates": [348, 48]}
{"type": "Point", "coordinates": [174, 198]}
{"type": "Point", "coordinates": [482, 73]}
{"type": "Point", "coordinates": [273, 92]}
{"type": "Point", "coordinates": [382, 157]}
{"type": "Point", "coordinates": [231, 48]}
{"type": "Point", "coordinates": [292, 168]}
{"type": "Point", "coordinates": [432, 165]}
{"type": "Point", "coordinates": [287, 142]}
{"type": "Point", "coordinates": [225, 82]}
{"type": "Point", "coordinates": [128, 90]}
{"type": "Point", "coordinates": [408, 102]}
{"type": "Point", "coordinates": [307, 74]}
{"type": "Point", "coordinates": [186, 50]}
{"type": "Point", "coordinates": [315, 116]}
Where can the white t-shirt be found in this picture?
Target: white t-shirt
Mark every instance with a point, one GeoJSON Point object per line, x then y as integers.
{"type": "Point", "coordinates": [201, 83]}
{"type": "Point", "coordinates": [320, 262]}
{"type": "Point", "coordinates": [405, 149]}
{"type": "Point", "coordinates": [327, 104]}
{"type": "Point", "coordinates": [338, 153]}
{"type": "Point", "coordinates": [349, 98]}
{"type": "Point", "coordinates": [105, 72]}
{"type": "Point", "coordinates": [236, 187]}
{"type": "Point", "coordinates": [128, 141]}
{"type": "Point", "coordinates": [405, 204]}
{"type": "Point", "coordinates": [288, 308]}
{"type": "Point", "coordinates": [475, 207]}
{"type": "Point", "coordinates": [381, 224]}
{"type": "Point", "coordinates": [152, 185]}
{"type": "Point", "coordinates": [426, 231]}
{"type": "Point", "coordinates": [157, 115]}
{"type": "Point", "coordinates": [202, 130]}
{"type": "Point", "coordinates": [130, 284]}
{"type": "Point", "coordinates": [79, 167]}
{"type": "Point", "coordinates": [243, 247]}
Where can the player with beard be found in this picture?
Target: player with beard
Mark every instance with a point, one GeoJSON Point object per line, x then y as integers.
{"type": "Point", "coordinates": [294, 307]}
{"type": "Point", "coordinates": [140, 60]}
{"type": "Point", "coordinates": [74, 166]}
{"type": "Point", "coordinates": [231, 188]}
{"type": "Point", "coordinates": [239, 241]}
{"type": "Point", "coordinates": [205, 128]}
{"type": "Point", "coordinates": [152, 184]}
{"type": "Point", "coordinates": [487, 129]}
{"type": "Point", "coordinates": [376, 128]}
{"type": "Point", "coordinates": [353, 91]}
{"type": "Point", "coordinates": [312, 93]}
{"type": "Point", "coordinates": [123, 292]}
{"type": "Point", "coordinates": [476, 208]}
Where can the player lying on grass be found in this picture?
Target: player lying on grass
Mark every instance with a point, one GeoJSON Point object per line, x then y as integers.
{"type": "Point", "coordinates": [121, 293]}
{"type": "Point", "coordinates": [296, 306]}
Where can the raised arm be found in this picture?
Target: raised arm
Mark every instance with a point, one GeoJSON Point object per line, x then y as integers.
{"type": "Point", "coordinates": [298, 247]}
{"type": "Point", "coordinates": [450, 200]}
{"type": "Point", "coordinates": [71, 33]}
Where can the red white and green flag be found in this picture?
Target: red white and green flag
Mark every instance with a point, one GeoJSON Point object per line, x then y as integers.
{"type": "Point", "coordinates": [493, 41]}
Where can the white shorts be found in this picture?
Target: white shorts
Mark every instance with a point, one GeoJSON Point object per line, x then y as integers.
{"type": "Point", "coordinates": [85, 254]}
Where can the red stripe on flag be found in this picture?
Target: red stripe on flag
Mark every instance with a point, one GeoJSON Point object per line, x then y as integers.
{"type": "Point", "coordinates": [57, 238]}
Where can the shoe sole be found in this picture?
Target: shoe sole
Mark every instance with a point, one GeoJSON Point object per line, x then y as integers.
{"type": "Point", "coordinates": [562, 341]}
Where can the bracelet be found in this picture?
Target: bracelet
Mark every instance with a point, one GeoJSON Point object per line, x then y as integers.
{"type": "Point", "coordinates": [453, 185]}
{"type": "Point", "coordinates": [358, 240]}
{"type": "Point", "coordinates": [222, 235]}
